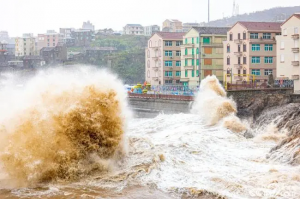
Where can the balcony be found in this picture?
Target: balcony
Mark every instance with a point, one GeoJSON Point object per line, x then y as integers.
{"type": "Point", "coordinates": [238, 41]}
{"type": "Point", "coordinates": [263, 41]}
{"type": "Point", "coordinates": [295, 50]}
{"type": "Point", "coordinates": [295, 36]}
{"type": "Point", "coordinates": [295, 77]}
{"type": "Point", "coordinates": [238, 66]}
{"type": "Point", "coordinates": [155, 78]}
{"type": "Point", "coordinates": [295, 63]}
{"type": "Point", "coordinates": [189, 56]}
{"type": "Point", "coordinates": [188, 45]}
{"type": "Point", "coordinates": [212, 44]}
{"type": "Point", "coordinates": [239, 54]}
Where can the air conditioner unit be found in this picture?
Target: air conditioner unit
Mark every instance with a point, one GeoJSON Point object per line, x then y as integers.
{"type": "Point", "coordinates": [171, 57]}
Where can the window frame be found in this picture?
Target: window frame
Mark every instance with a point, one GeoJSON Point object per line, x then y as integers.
{"type": "Point", "coordinates": [255, 47]}
{"type": "Point", "coordinates": [267, 36]}
{"type": "Point", "coordinates": [268, 72]}
{"type": "Point", "coordinates": [254, 60]}
{"type": "Point", "coordinates": [255, 72]}
{"type": "Point", "coordinates": [253, 35]}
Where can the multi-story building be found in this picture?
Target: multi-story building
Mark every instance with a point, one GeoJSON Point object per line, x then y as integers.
{"type": "Point", "coordinates": [25, 45]}
{"type": "Point", "coordinates": [210, 42]}
{"type": "Point", "coordinates": [163, 59]}
{"type": "Point", "coordinates": [49, 39]}
{"type": "Point", "coordinates": [133, 29]}
{"type": "Point", "coordinates": [67, 36]}
{"type": "Point", "coordinates": [288, 44]}
{"type": "Point", "coordinates": [150, 30]}
{"type": "Point", "coordinates": [88, 26]}
{"type": "Point", "coordinates": [172, 25]}
{"type": "Point", "coordinates": [250, 51]}
{"type": "Point", "coordinates": [82, 37]}
{"type": "Point", "coordinates": [187, 26]}
{"type": "Point", "coordinates": [54, 55]}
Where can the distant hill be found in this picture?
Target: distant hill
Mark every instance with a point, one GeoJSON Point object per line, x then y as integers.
{"type": "Point", "coordinates": [278, 14]}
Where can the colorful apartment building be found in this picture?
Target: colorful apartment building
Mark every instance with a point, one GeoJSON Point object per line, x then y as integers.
{"type": "Point", "coordinates": [288, 54]}
{"type": "Point", "coordinates": [172, 25]}
{"type": "Point", "coordinates": [210, 42]}
{"type": "Point", "coordinates": [250, 51]}
{"type": "Point", "coordinates": [25, 45]}
{"type": "Point", "coordinates": [163, 59]}
{"type": "Point", "coordinates": [49, 39]}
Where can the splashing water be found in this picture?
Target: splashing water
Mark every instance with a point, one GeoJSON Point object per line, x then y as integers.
{"type": "Point", "coordinates": [65, 124]}
{"type": "Point", "coordinates": [198, 155]}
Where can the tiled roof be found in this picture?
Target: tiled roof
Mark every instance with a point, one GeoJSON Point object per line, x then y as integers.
{"type": "Point", "coordinates": [171, 35]}
{"type": "Point", "coordinates": [261, 26]}
{"type": "Point", "coordinates": [297, 15]}
{"type": "Point", "coordinates": [212, 30]}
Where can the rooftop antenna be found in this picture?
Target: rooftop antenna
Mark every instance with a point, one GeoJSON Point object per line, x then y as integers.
{"type": "Point", "coordinates": [208, 11]}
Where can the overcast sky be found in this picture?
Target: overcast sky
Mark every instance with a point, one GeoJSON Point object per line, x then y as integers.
{"type": "Point", "coordinates": [37, 16]}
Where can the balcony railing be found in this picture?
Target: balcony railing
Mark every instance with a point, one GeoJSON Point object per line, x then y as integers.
{"type": "Point", "coordinates": [238, 66]}
{"type": "Point", "coordinates": [295, 36]}
{"type": "Point", "coordinates": [189, 67]}
{"type": "Point", "coordinates": [295, 77]}
{"type": "Point", "coordinates": [238, 54]}
{"type": "Point", "coordinates": [190, 56]}
{"type": "Point", "coordinates": [238, 41]}
{"type": "Point", "coordinates": [211, 44]}
{"type": "Point", "coordinates": [295, 50]}
{"type": "Point", "coordinates": [188, 45]}
{"type": "Point", "coordinates": [295, 63]}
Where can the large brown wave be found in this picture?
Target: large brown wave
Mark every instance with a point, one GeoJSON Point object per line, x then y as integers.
{"type": "Point", "coordinates": [65, 134]}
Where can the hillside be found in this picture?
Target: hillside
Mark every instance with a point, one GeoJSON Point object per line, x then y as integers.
{"type": "Point", "coordinates": [275, 14]}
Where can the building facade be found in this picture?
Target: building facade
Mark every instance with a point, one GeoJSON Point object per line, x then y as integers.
{"type": "Point", "coordinates": [25, 45]}
{"type": "Point", "coordinates": [54, 55]}
{"type": "Point", "coordinates": [163, 59]}
{"type": "Point", "coordinates": [188, 26]}
{"type": "Point", "coordinates": [133, 29]}
{"type": "Point", "coordinates": [88, 26]}
{"type": "Point", "coordinates": [67, 38]}
{"type": "Point", "coordinates": [150, 30]}
{"type": "Point", "coordinates": [49, 39]}
{"type": "Point", "coordinates": [172, 25]}
{"type": "Point", "coordinates": [288, 54]}
{"type": "Point", "coordinates": [250, 51]}
{"type": "Point", "coordinates": [82, 37]}
{"type": "Point", "coordinates": [209, 40]}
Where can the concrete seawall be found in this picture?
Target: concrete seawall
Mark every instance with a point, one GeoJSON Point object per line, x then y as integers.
{"type": "Point", "coordinates": [249, 102]}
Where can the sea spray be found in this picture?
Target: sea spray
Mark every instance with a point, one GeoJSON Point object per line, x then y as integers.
{"type": "Point", "coordinates": [213, 105]}
{"type": "Point", "coordinates": [63, 124]}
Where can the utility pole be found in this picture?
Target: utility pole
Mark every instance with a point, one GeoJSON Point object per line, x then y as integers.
{"type": "Point", "coordinates": [208, 11]}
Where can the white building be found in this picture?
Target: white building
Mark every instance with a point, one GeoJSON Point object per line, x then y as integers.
{"type": "Point", "coordinates": [288, 44]}
{"type": "Point", "coordinates": [133, 29]}
{"type": "Point", "coordinates": [150, 30]}
{"type": "Point", "coordinates": [25, 45]}
{"type": "Point", "coordinates": [88, 26]}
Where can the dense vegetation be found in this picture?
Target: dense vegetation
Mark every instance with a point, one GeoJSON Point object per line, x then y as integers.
{"type": "Point", "coordinates": [271, 15]}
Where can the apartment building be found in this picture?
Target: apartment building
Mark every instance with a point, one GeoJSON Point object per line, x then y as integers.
{"type": "Point", "coordinates": [188, 26]}
{"type": "Point", "coordinates": [163, 59]}
{"type": "Point", "coordinates": [49, 39]}
{"type": "Point", "coordinates": [250, 51]}
{"type": "Point", "coordinates": [210, 42]}
{"type": "Point", "coordinates": [25, 45]}
{"type": "Point", "coordinates": [150, 30]}
{"type": "Point", "coordinates": [88, 26]}
{"type": "Point", "coordinates": [82, 37]}
{"type": "Point", "coordinates": [133, 29]}
{"type": "Point", "coordinates": [288, 44]}
{"type": "Point", "coordinates": [67, 36]}
{"type": "Point", "coordinates": [172, 25]}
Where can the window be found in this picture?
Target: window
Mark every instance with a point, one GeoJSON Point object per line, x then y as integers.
{"type": "Point", "coordinates": [206, 40]}
{"type": "Point", "coordinates": [168, 81]}
{"type": "Point", "coordinates": [228, 60]}
{"type": "Point", "coordinates": [186, 40]}
{"type": "Point", "coordinates": [168, 63]}
{"type": "Point", "coordinates": [186, 62]}
{"type": "Point", "coordinates": [186, 73]}
{"type": "Point", "coordinates": [168, 53]}
{"type": "Point", "coordinates": [253, 35]}
{"type": "Point", "coordinates": [197, 51]}
{"type": "Point", "coordinates": [230, 37]}
{"type": "Point", "coordinates": [296, 30]}
{"type": "Point", "coordinates": [186, 51]}
{"type": "Point", "coordinates": [281, 58]}
{"type": "Point", "coordinates": [148, 63]}
{"type": "Point", "coordinates": [193, 62]}
{"type": "Point", "coordinates": [255, 47]}
{"type": "Point", "coordinates": [193, 51]}
{"type": "Point", "coordinates": [228, 49]}
{"type": "Point", "coordinates": [168, 43]}
{"type": "Point", "coordinates": [197, 62]}
{"type": "Point", "coordinates": [268, 72]}
{"type": "Point", "coordinates": [244, 60]}
{"type": "Point", "coordinates": [268, 60]}
{"type": "Point", "coordinates": [177, 81]}
{"type": "Point", "coordinates": [178, 53]}
{"type": "Point", "coordinates": [150, 44]}
{"type": "Point", "coordinates": [244, 36]}
{"type": "Point", "coordinates": [178, 63]}
{"type": "Point", "coordinates": [285, 32]}
{"type": "Point", "coordinates": [256, 72]}
{"type": "Point", "coordinates": [244, 47]}
{"type": "Point", "coordinates": [197, 40]}
{"type": "Point", "coordinates": [148, 74]}
{"type": "Point", "coordinates": [168, 73]}
{"type": "Point", "coordinates": [178, 73]}
{"type": "Point", "coordinates": [282, 45]}
{"type": "Point", "coordinates": [193, 73]}
{"type": "Point", "coordinates": [267, 36]}
{"type": "Point", "coordinates": [148, 53]}
{"type": "Point", "coordinates": [255, 60]}
{"type": "Point", "coordinates": [244, 71]}
{"type": "Point", "coordinates": [192, 40]}
{"type": "Point", "coordinates": [268, 47]}
{"type": "Point", "coordinates": [197, 73]}
{"type": "Point", "coordinates": [178, 43]}
{"type": "Point", "coordinates": [239, 36]}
